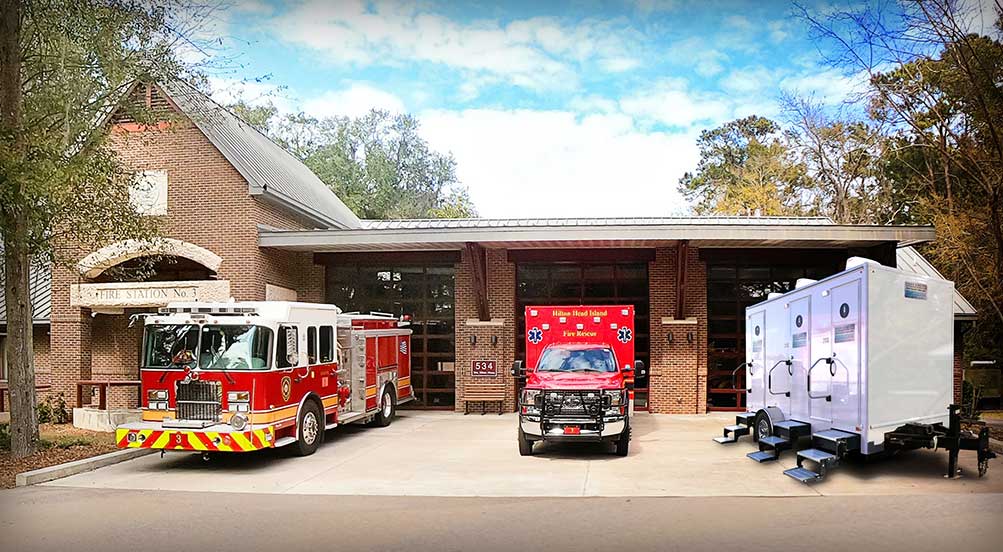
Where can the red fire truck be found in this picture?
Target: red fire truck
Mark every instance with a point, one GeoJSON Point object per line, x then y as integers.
{"type": "Point", "coordinates": [579, 376]}
{"type": "Point", "coordinates": [238, 377]}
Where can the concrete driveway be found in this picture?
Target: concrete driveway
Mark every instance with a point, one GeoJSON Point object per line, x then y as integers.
{"type": "Point", "coordinates": [446, 454]}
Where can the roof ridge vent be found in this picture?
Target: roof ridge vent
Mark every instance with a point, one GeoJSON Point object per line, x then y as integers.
{"type": "Point", "coordinates": [802, 282]}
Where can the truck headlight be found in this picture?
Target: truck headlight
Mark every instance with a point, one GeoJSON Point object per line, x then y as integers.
{"type": "Point", "coordinates": [238, 421]}
{"type": "Point", "coordinates": [531, 401]}
{"type": "Point", "coordinates": [238, 396]}
{"type": "Point", "coordinates": [613, 397]}
{"type": "Point", "coordinates": [156, 395]}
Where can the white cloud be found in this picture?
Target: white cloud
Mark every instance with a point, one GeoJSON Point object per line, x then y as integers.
{"type": "Point", "coordinates": [779, 30]}
{"type": "Point", "coordinates": [671, 103]}
{"type": "Point", "coordinates": [520, 163]}
{"type": "Point", "coordinates": [738, 22]}
{"type": "Point", "coordinates": [354, 101]}
{"type": "Point", "coordinates": [829, 86]}
{"type": "Point", "coordinates": [650, 6]}
{"type": "Point", "coordinates": [227, 91]}
{"type": "Point", "coordinates": [694, 52]}
{"type": "Point", "coordinates": [748, 80]}
{"type": "Point", "coordinates": [537, 53]}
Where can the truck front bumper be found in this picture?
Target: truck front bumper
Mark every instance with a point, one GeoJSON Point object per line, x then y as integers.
{"type": "Point", "coordinates": [552, 429]}
{"type": "Point", "coordinates": [215, 438]}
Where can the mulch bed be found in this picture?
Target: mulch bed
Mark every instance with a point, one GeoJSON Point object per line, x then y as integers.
{"type": "Point", "coordinates": [65, 443]}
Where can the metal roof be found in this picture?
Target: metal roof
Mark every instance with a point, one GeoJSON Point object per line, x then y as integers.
{"type": "Point", "coordinates": [39, 292]}
{"type": "Point", "coordinates": [418, 224]}
{"type": "Point", "coordinates": [445, 234]}
{"type": "Point", "coordinates": [907, 258]}
{"type": "Point", "coordinates": [271, 172]}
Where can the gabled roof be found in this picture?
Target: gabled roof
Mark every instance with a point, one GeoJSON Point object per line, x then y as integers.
{"type": "Point", "coordinates": [909, 259]}
{"type": "Point", "coordinates": [271, 172]}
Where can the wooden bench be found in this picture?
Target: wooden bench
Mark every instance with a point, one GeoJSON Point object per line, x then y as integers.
{"type": "Point", "coordinates": [103, 386]}
{"type": "Point", "coordinates": [485, 393]}
{"type": "Point", "coordinates": [5, 389]}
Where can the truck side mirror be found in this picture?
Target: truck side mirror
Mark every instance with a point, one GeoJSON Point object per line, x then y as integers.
{"type": "Point", "coordinates": [639, 369]}
{"type": "Point", "coordinates": [517, 369]}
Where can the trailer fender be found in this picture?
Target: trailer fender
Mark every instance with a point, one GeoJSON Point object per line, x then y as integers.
{"type": "Point", "coordinates": [764, 421]}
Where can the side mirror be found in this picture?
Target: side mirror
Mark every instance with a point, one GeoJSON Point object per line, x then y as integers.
{"type": "Point", "coordinates": [627, 369]}
{"type": "Point", "coordinates": [639, 368]}
{"type": "Point", "coordinates": [517, 369]}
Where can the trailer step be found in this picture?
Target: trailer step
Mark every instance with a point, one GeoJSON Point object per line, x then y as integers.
{"type": "Point", "coordinates": [803, 475]}
{"type": "Point", "coordinates": [763, 455]}
{"type": "Point", "coordinates": [732, 433]}
{"type": "Point", "coordinates": [792, 430]}
{"type": "Point", "coordinates": [774, 442]}
{"type": "Point", "coordinates": [835, 441]}
{"type": "Point", "coordinates": [817, 456]}
{"type": "Point", "coordinates": [745, 418]}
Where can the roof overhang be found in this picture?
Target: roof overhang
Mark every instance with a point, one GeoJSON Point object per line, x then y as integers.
{"type": "Point", "coordinates": [587, 236]}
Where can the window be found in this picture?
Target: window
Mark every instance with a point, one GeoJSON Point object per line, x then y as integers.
{"type": "Point", "coordinates": [286, 346]}
{"type": "Point", "coordinates": [171, 346]}
{"type": "Point", "coordinates": [311, 345]}
{"type": "Point", "coordinates": [327, 344]}
{"type": "Point", "coordinates": [564, 359]}
{"type": "Point", "coordinates": [234, 348]}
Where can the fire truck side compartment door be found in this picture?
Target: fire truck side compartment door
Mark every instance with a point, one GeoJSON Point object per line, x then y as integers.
{"type": "Point", "coordinates": [358, 372]}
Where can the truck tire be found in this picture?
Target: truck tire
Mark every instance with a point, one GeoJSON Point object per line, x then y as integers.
{"type": "Point", "coordinates": [388, 408]}
{"type": "Point", "coordinates": [525, 445]}
{"type": "Point", "coordinates": [309, 429]}
{"type": "Point", "coordinates": [622, 445]}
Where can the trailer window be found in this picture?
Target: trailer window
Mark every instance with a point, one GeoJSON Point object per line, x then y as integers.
{"type": "Point", "coordinates": [327, 344]}
{"type": "Point", "coordinates": [283, 352]}
{"type": "Point", "coordinates": [171, 346]}
{"type": "Point", "coordinates": [234, 348]}
{"type": "Point", "coordinates": [559, 359]}
{"type": "Point", "coordinates": [311, 344]}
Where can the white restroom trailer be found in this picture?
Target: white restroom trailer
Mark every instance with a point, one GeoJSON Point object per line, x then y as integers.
{"type": "Point", "coordinates": [860, 361]}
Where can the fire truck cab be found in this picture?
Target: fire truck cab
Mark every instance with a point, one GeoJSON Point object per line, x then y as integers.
{"type": "Point", "coordinates": [238, 377]}
{"type": "Point", "coordinates": [579, 376]}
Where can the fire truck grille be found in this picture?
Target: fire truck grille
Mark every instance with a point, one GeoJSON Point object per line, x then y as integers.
{"type": "Point", "coordinates": [572, 403]}
{"type": "Point", "coordinates": [200, 400]}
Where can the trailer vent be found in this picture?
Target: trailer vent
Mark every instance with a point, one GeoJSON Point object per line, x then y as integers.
{"type": "Point", "coordinates": [200, 400]}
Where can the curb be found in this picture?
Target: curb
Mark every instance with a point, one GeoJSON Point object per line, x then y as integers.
{"type": "Point", "coordinates": [59, 471]}
{"type": "Point", "coordinates": [996, 445]}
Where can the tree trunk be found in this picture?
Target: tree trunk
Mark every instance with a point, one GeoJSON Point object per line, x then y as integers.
{"type": "Point", "coordinates": [14, 226]}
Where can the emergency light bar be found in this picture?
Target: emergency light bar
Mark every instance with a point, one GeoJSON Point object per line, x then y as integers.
{"type": "Point", "coordinates": [211, 309]}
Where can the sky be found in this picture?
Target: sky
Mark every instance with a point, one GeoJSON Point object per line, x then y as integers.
{"type": "Point", "coordinates": [570, 109]}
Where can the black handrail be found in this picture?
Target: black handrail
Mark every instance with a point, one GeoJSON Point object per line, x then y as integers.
{"type": "Point", "coordinates": [734, 382]}
{"type": "Point", "coordinates": [769, 377]}
{"type": "Point", "coordinates": [829, 361]}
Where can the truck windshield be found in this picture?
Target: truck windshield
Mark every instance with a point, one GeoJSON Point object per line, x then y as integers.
{"type": "Point", "coordinates": [559, 359]}
{"type": "Point", "coordinates": [215, 347]}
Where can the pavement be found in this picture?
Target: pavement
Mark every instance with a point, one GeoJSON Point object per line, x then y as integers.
{"type": "Point", "coordinates": [439, 454]}
{"type": "Point", "coordinates": [84, 520]}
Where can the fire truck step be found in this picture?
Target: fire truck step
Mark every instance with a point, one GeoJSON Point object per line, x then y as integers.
{"type": "Point", "coordinates": [803, 475]}
{"type": "Point", "coordinates": [349, 417]}
{"type": "Point", "coordinates": [732, 433]}
{"type": "Point", "coordinates": [745, 418]}
{"type": "Point", "coordinates": [284, 441]}
{"type": "Point", "coordinates": [763, 455]}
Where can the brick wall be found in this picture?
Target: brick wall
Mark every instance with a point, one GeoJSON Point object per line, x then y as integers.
{"type": "Point", "coordinates": [501, 300]}
{"type": "Point", "coordinates": [208, 205]}
{"type": "Point", "coordinates": [678, 371]}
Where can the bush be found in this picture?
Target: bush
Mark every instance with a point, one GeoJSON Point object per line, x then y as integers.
{"type": "Point", "coordinates": [53, 410]}
{"type": "Point", "coordinates": [970, 397]}
{"type": "Point", "coordinates": [4, 437]}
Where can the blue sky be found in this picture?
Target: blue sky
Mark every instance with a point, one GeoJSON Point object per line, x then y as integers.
{"type": "Point", "coordinates": [550, 108]}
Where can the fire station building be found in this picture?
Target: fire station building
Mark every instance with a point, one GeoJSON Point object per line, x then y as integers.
{"type": "Point", "coordinates": [243, 219]}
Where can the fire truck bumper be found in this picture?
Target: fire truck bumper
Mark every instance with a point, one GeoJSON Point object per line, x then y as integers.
{"type": "Point", "coordinates": [585, 429]}
{"type": "Point", "coordinates": [216, 438]}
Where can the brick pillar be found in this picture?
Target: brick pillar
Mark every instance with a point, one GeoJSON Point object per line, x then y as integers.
{"type": "Point", "coordinates": [501, 301]}
{"type": "Point", "coordinates": [678, 377]}
{"type": "Point", "coordinates": [69, 338]}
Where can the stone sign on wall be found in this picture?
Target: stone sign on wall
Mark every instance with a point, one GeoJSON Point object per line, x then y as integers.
{"type": "Point", "coordinates": [147, 294]}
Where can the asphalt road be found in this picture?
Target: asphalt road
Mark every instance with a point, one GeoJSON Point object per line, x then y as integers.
{"type": "Point", "coordinates": [53, 518]}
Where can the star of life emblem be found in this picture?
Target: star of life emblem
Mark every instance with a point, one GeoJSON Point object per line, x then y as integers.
{"type": "Point", "coordinates": [535, 335]}
{"type": "Point", "coordinates": [624, 334]}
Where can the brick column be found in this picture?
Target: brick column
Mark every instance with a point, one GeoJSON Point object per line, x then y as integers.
{"type": "Point", "coordinates": [678, 377]}
{"type": "Point", "coordinates": [501, 301]}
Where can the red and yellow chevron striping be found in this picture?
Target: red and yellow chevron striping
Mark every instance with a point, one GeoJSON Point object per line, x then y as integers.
{"type": "Point", "coordinates": [204, 441]}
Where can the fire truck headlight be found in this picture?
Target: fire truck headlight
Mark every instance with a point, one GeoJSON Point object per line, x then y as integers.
{"type": "Point", "coordinates": [238, 396]}
{"type": "Point", "coordinates": [238, 421]}
{"type": "Point", "coordinates": [156, 395]}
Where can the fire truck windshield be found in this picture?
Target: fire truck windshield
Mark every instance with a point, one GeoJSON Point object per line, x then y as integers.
{"type": "Point", "coordinates": [566, 359]}
{"type": "Point", "coordinates": [215, 347]}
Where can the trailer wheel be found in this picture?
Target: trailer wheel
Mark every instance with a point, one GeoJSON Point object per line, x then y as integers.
{"type": "Point", "coordinates": [525, 445]}
{"type": "Point", "coordinates": [388, 407]}
{"type": "Point", "coordinates": [622, 445]}
{"type": "Point", "coordinates": [309, 429]}
{"type": "Point", "coordinates": [762, 427]}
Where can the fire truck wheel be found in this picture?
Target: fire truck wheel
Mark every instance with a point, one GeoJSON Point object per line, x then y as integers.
{"type": "Point", "coordinates": [388, 408]}
{"type": "Point", "coordinates": [525, 445]}
{"type": "Point", "coordinates": [622, 445]}
{"type": "Point", "coordinates": [309, 429]}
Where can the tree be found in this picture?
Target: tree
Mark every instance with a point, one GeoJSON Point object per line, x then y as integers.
{"type": "Point", "coordinates": [745, 166]}
{"type": "Point", "coordinates": [378, 164]}
{"type": "Point", "coordinates": [62, 65]}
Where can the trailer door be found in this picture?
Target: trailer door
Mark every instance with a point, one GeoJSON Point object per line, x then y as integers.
{"type": "Point", "coordinates": [755, 358]}
{"type": "Point", "coordinates": [799, 343]}
{"type": "Point", "coordinates": [817, 376]}
{"type": "Point", "coordinates": [845, 384]}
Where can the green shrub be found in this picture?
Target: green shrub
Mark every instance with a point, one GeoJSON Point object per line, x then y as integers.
{"type": "Point", "coordinates": [52, 410]}
{"type": "Point", "coordinates": [4, 437]}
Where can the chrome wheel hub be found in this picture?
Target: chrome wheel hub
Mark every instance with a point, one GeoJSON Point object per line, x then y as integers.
{"type": "Point", "coordinates": [387, 405]}
{"type": "Point", "coordinates": [310, 428]}
{"type": "Point", "coordinates": [763, 429]}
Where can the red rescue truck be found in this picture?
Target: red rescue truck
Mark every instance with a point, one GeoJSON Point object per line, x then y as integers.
{"type": "Point", "coordinates": [238, 377]}
{"type": "Point", "coordinates": [579, 375]}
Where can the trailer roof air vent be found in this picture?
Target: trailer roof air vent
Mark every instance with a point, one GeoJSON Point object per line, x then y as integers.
{"type": "Point", "coordinates": [857, 261]}
{"type": "Point", "coordinates": [774, 295]}
{"type": "Point", "coordinates": [802, 282]}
